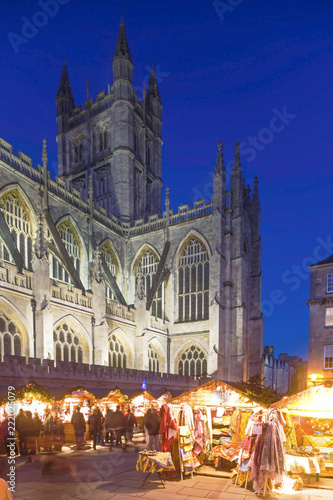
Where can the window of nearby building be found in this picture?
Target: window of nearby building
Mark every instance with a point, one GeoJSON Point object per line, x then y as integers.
{"type": "Point", "coordinates": [67, 345]}
{"type": "Point", "coordinates": [117, 355]}
{"type": "Point", "coordinates": [328, 357]}
{"type": "Point", "coordinates": [193, 281]}
{"type": "Point", "coordinates": [192, 362]}
{"type": "Point", "coordinates": [17, 217]}
{"type": "Point", "coordinates": [330, 283]}
{"type": "Point", "coordinates": [153, 361]}
{"type": "Point", "coordinates": [147, 267]}
{"type": "Point", "coordinates": [329, 316]}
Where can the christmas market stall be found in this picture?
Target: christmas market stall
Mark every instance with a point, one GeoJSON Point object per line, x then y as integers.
{"type": "Point", "coordinates": [115, 398]}
{"type": "Point", "coordinates": [30, 397]}
{"type": "Point", "coordinates": [216, 414]}
{"type": "Point", "coordinates": [66, 405]}
{"type": "Point", "coordinates": [79, 396]}
{"type": "Point", "coordinates": [140, 401]}
{"type": "Point", "coordinates": [165, 398]}
{"type": "Point", "coordinates": [309, 429]}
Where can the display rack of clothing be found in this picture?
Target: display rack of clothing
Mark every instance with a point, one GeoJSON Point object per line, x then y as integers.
{"type": "Point", "coordinates": [268, 458]}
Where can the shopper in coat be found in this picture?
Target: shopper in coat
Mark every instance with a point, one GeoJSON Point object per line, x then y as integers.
{"type": "Point", "coordinates": [79, 425]}
{"type": "Point", "coordinates": [152, 424]}
{"type": "Point", "coordinates": [119, 421]}
{"type": "Point", "coordinates": [130, 423]}
{"type": "Point", "coordinates": [95, 426]}
{"type": "Point", "coordinates": [109, 426]}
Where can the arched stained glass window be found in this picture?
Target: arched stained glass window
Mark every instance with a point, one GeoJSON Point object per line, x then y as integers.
{"type": "Point", "coordinates": [111, 262]}
{"type": "Point", "coordinates": [153, 359]}
{"type": "Point", "coordinates": [192, 362]}
{"type": "Point", "coordinates": [67, 346]}
{"type": "Point", "coordinates": [147, 267]}
{"type": "Point", "coordinates": [10, 337]}
{"type": "Point", "coordinates": [193, 282]}
{"type": "Point", "coordinates": [19, 223]}
{"type": "Point", "coordinates": [72, 245]}
{"type": "Point", "coordinates": [117, 354]}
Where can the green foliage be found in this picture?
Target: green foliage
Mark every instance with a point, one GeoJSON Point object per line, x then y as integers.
{"type": "Point", "coordinates": [256, 391]}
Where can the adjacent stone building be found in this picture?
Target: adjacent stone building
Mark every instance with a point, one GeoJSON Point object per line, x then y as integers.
{"type": "Point", "coordinates": [321, 321]}
{"type": "Point", "coordinates": [93, 271]}
{"type": "Point", "coordinates": [285, 373]}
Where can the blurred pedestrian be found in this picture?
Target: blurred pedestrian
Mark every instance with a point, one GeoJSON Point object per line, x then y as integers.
{"type": "Point", "coordinates": [38, 428]}
{"type": "Point", "coordinates": [94, 422]}
{"type": "Point", "coordinates": [130, 423]}
{"type": "Point", "coordinates": [109, 426]}
{"type": "Point", "coordinates": [58, 434]}
{"type": "Point", "coordinates": [79, 425]}
{"type": "Point", "coordinates": [119, 421]}
{"type": "Point", "coordinates": [48, 430]}
{"type": "Point", "coordinates": [29, 435]}
{"type": "Point", "coordinates": [20, 425]}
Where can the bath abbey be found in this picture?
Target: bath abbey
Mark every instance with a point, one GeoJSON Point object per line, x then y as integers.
{"type": "Point", "coordinates": [97, 270]}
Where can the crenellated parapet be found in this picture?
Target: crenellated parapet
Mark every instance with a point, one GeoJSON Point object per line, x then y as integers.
{"type": "Point", "coordinates": [69, 375]}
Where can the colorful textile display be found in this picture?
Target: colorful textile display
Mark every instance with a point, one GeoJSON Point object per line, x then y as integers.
{"type": "Point", "coordinates": [201, 435]}
{"type": "Point", "coordinates": [229, 451]}
{"type": "Point", "coordinates": [155, 463]}
{"type": "Point", "coordinates": [186, 441]}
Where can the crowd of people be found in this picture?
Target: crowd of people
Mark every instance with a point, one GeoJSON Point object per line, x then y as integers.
{"type": "Point", "coordinates": [114, 428]}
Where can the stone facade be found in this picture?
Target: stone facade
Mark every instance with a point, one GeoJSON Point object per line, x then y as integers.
{"type": "Point", "coordinates": [92, 271]}
{"type": "Point", "coordinates": [321, 321]}
{"type": "Point", "coordinates": [285, 373]}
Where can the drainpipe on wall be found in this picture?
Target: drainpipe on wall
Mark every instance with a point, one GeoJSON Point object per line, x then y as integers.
{"type": "Point", "coordinates": [93, 338]}
{"type": "Point", "coordinates": [168, 351]}
{"type": "Point", "coordinates": [33, 306]}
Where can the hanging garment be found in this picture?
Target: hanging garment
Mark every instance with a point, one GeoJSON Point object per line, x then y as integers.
{"type": "Point", "coordinates": [168, 427]}
{"type": "Point", "coordinates": [199, 433]}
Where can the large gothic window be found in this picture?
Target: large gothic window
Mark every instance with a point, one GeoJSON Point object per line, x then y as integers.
{"type": "Point", "coordinates": [111, 262]}
{"type": "Point", "coordinates": [71, 242]}
{"type": "Point", "coordinates": [192, 362]}
{"type": "Point", "coordinates": [117, 354]}
{"type": "Point", "coordinates": [10, 337]}
{"type": "Point", "coordinates": [19, 224]}
{"type": "Point", "coordinates": [147, 267]}
{"type": "Point", "coordinates": [153, 359]}
{"type": "Point", "coordinates": [67, 345]}
{"type": "Point", "coordinates": [193, 282]}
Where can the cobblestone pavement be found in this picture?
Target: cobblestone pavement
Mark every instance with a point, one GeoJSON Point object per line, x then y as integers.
{"type": "Point", "coordinates": [103, 475]}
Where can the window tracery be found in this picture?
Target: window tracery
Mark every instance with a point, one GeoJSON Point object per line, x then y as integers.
{"type": "Point", "coordinates": [193, 282]}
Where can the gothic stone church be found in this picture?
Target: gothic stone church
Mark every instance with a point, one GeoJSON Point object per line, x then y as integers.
{"type": "Point", "coordinates": [93, 271]}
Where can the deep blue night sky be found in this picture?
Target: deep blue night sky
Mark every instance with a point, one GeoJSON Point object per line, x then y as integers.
{"type": "Point", "coordinates": [221, 74]}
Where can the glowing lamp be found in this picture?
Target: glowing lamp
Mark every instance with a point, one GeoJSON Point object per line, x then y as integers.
{"type": "Point", "coordinates": [313, 377]}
